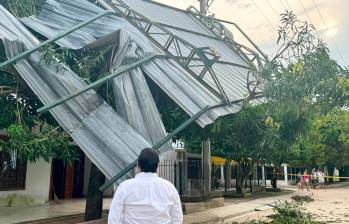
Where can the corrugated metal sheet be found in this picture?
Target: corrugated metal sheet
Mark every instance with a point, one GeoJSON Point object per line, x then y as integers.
{"type": "Point", "coordinates": [104, 136]}
{"type": "Point", "coordinates": [232, 78]}
{"type": "Point", "coordinates": [52, 19]}
{"type": "Point", "coordinates": [134, 101]}
{"type": "Point", "coordinates": [166, 15]}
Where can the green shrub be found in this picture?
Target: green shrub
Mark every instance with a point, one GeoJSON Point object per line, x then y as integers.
{"type": "Point", "coordinates": [288, 213]}
{"type": "Point", "coordinates": [291, 213]}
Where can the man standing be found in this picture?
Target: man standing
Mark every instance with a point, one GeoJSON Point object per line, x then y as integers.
{"type": "Point", "coordinates": [146, 198]}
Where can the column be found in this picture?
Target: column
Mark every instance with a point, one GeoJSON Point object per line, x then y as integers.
{"type": "Point", "coordinates": [263, 174]}
{"type": "Point", "coordinates": [286, 174]}
{"type": "Point", "coordinates": [206, 166]}
{"type": "Point", "coordinates": [222, 173]}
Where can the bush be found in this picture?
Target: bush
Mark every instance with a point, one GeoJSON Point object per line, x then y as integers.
{"type": "Point", "coordinates": [288, 213]}
{"type": "Point", "coordinates": [291, 213]}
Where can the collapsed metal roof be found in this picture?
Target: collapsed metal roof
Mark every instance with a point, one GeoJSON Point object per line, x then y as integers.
{"type": "Point", "coordinates": [197, 68]}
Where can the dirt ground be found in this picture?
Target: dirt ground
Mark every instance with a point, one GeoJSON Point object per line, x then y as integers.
{"type": "Point", "coordinates": [330, 205]}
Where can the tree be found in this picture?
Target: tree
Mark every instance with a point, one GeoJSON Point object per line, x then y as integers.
{"type": "Point", "coordinates": [326, 142]}
{"type": "Point", "coordinates": [240, 137]}
{"type": "Point", "coordinates": [19, 116]}
{"type": "Point", "coordinates": [301, 81]}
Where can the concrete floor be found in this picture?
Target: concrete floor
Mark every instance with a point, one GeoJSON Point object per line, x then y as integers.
{"type": "Point", "coordinates": [50, 210]}
{"type": "Point", "coordinates": [232, 207]}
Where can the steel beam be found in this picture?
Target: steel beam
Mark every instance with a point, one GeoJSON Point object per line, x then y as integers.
{"type": "Point", "coordinates": [99, 82]}
{"type": "Point", "coordinates": [196, 12]}
{"type": "Point", "coordinates": [53, 39]}
{"type": "Point", "coordinates": [146, 26]}
{"type": "Point", "coordinates": [167, 138]}
{"type": "Point", "coordinates": [220, 33]}
{"type": "Point", "coordinates": [157, 146]}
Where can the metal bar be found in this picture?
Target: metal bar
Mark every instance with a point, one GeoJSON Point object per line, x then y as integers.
{"type": "Point", "coordinates": [129, 167]}
{"type": "Point", "coordinates": [242, 32]}
{"type": "Point", "coordinates": [219, 34]}
{"type": "Point", "coordinates": [98, 83]}
{"type": "Point", "coordinates": [158, 145]}
{"type": "Point", "coordinates": [215, 19]}
{"type": "Point", "coordinates": [53, 39]}
{"type": "Point", "coordinates": [160, 45]}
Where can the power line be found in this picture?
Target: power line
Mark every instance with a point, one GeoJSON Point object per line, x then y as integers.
{"type": "Point", "coordinates": [261, 12]}
{"type": "Point", "coordinates": [288, 5]}
{"type": "Point", "coordinates": [283, 4]}
{"type": "Point", "coordinates": [333, 40]}
{"type": "Point", "coordinates": [308, 15]}
{"type": "Point", "coordinates": [277, 14]}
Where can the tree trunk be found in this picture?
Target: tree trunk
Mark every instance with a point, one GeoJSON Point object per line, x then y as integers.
{"type": "Point", "coordinates": [94, 201]}
{"type": "Point", "coordinates": [239, 178]}
{"type": "Point", "coordinates": [227, 181]}
{"type": "Point", "coordinates": [274, 177]}
{"type": "Point", "coordinates": [244, 170]}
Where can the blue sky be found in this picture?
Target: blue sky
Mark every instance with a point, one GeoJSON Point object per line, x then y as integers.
{"type": "Point", "coordinates": [259, 19]}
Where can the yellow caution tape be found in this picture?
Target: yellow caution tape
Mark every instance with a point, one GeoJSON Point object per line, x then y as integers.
{"type": "Point", "coordinates": [296, 175]}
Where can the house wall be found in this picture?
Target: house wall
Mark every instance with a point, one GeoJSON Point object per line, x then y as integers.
{"type": "Point", "coordinates": [37, 184]}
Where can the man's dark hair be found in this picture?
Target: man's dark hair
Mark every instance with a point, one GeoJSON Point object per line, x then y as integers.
{"type": "Point", "coordinates": [148, 160]}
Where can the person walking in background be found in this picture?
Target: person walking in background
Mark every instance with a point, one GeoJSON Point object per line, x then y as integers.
{"type": "Point", "coordinates": [300, 181]}
{"type": "Point", "coordinates": [306, 178]}
{"type": "Point", "coordinates": [321, 178]}
{"type": "Point", "coordinates": [313, 179]}
{"type": "Point", "coordinates": [146, 198]}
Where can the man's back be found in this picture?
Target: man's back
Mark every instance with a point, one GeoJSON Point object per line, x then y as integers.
{"type": "Point", "coordinates": [146, 199]}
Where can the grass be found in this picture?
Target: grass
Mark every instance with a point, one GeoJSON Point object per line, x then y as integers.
{"type": "Point", "coordinates": [14, 200]}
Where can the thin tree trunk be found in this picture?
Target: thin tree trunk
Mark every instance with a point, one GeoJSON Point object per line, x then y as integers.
{"type": "Point", "coordinates": [94, 201]}
{"type": "Point", "coordinates": [227, 181]}
{"type": "Point", "coordinates": [239, 178]}
{"type": "Point", "coordinates": [274, 177]}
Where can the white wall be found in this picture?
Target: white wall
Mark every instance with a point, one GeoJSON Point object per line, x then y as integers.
{"type": "Point", "coordinates": [37, 182]}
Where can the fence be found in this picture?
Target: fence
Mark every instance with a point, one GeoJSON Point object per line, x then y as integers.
{"type": "Point", "coordinates": [188, 178]}
{"type": "Point", "coordinates": [252, 182]}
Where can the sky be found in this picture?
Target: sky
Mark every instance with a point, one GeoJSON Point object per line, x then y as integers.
{"type": "Point", "coordinates": [260, 20]}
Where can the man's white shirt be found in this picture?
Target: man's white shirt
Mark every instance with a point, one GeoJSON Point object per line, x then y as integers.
{"type": "Point", "coordinates": [146, 199]}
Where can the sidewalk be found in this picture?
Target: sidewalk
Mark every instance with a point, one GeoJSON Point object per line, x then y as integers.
{"type": "Point", "coordinates": [75, 208]}
{"type": "Point", "coordinates": [235, 209]}
{"type": "Point", "coordinates": [46, 211]}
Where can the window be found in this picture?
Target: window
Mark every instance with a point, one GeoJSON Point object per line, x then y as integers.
{"type": "Point", "coordinates": [12, 179]}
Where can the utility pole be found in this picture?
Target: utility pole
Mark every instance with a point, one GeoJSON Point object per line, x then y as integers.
{"type": "Point", "coordinates": [205, 144]}
{"type": "Point", "coordinates": [203, 7]}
